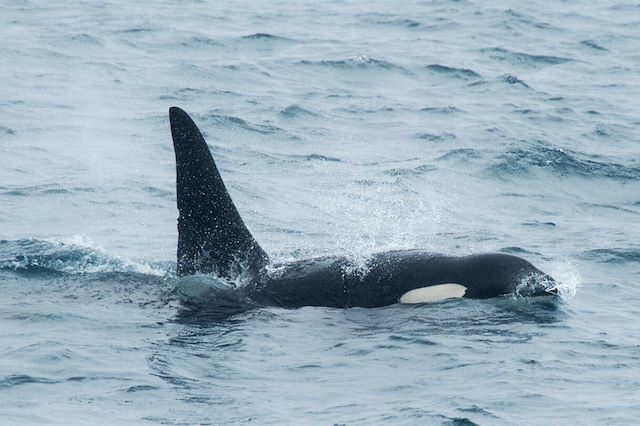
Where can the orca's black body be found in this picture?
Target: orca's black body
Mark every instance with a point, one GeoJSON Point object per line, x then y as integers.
{"type": "Point", "coordinates": [212, 238]}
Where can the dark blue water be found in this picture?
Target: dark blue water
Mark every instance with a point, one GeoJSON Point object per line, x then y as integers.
{"type": "Point", "coordinates": [339, 127]}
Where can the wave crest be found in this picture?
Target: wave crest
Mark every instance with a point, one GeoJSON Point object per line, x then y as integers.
{"type": "Point", "coordinates": [355, 62]}
{"type": "Point", "coordinates": [521, 162]}
{"type": "Point", "coordinates": [461, 73]}
{"type": "Point", "coordinates": [77, 255]}
{"type": "Point", "coordinates": [524, 59]}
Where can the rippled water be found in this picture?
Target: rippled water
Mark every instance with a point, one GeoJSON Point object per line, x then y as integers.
{"type": "Point", "coordinates": [339, 127]}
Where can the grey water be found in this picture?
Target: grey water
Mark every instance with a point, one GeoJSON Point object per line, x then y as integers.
{"type": "Point", "coordinates": [344, 127]}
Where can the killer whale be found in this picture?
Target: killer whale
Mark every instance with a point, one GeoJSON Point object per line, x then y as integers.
{"type": "Point", "coordinates": [213, 239]}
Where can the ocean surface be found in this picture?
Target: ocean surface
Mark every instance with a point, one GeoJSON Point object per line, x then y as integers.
{"type": "Point", "coordinates": [340, 127]}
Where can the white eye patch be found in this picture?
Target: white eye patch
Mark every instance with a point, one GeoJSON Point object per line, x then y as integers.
{"type": "Point", "coordinates": [434, 293]}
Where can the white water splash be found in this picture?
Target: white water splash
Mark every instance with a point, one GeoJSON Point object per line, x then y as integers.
{"type": "Point", "coordinates": [80, 254]}
{"type": "Point", "coordinates": [567, 277]}
{"type": "Point", "coordinates": [203, 288]}
{"type": "Point", "coordinates": [377, 222]}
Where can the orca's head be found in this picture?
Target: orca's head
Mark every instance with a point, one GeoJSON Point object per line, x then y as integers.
{"type": "Point", "coordinates": [493, 274]}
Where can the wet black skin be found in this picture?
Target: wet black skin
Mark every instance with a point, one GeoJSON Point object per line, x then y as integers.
{"type": "Point", "coordinates": [212, 238]}
{"type": "Point", "coordinates": [330, 281]}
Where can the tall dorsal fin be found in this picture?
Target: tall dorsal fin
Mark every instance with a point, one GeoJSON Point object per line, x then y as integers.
{"type": "Point", "coordinates": [212, 238]}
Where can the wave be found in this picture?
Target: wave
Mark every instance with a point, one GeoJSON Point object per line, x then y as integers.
{"type": "Point", "coordinates": [227, 120]}
{"type": "Point", "coordinates": [611, 131]}
{"type": "Point", "coordinates": [21, 379]}
{"type": "Point", "coordinates": [536, 223]}
{"type": "Point", "coordinates": [187, 93]}
{"type": "Point", "coordinates": [456, 421]}
{"type": "Point", "coordinates": [521, 162]}
{"type": "Point", "coordinates": [436, 138]}
{"type": "Point", "coordinates": [40, 190]}
{"type": "Point", "coordinates": [206, 298]}
{"type": "Point", "coordinates": [613, 255]}
{"type": "Point", "coordinates": [355, 62]}
{"type": "Point", "coordinates": [7, 131]}
{"type": "Point", "coordinates": [86, 39]}
{"type": "Point", "coordinates": [394, 22]}
{"type": "Point", "coordinates": [134, 30]}
{"type": "Point", "coordinates": [79, 259]}
{"type": "Point", "coordinates": [157, 192]}
{"type": "Point", "coordinates": [401, 22]}
{"type": "Point", "coordinates": [417, 171]}
{"type": "Point", "coordinates": [461, 154]}
{"type": "Point", "coordinates": [528, 21]}
{"type": "Point", "coordinates": [441, 110]}
{"type": "Point", "coordinates": [201, 41]}
{"type": "Point", "coordinates": [77, 255]}
{"type": "Point", "coordinates": [592, 44]}
{"type": "Point", "coordinates": [206, 289]}
{"type": "Point", "coordinates": [460, 73]}
{"type": "Point", "coordinates": [517, 250]}
{"type": "Point", "coordinates": [513, 80]}
{"type": "Point", "coordinates": [265, 36]}
{"type": "Point", "coordinates": [293, 111]}
{"type": "Point", "coordinates": [524, 59]}
{"type": "Point", "coordinates": [318, 157]}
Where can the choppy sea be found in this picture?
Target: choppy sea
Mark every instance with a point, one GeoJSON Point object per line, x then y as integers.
{"type": "Point", "coordinates": [346, 127]}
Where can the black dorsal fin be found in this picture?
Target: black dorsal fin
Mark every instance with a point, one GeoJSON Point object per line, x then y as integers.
{"type": "Point", "coordinates": [212, 238]}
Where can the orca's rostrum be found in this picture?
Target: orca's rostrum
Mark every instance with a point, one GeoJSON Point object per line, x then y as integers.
{"type": "Point", "coordinates": [212, 238]}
